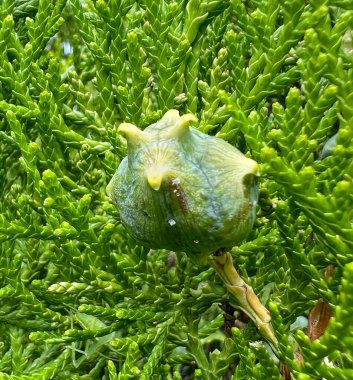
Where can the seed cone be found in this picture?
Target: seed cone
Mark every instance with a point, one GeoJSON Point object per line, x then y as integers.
{"type": "Point", "coordinates": [182, 190]}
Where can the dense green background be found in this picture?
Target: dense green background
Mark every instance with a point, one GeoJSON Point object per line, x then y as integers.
{"type": "Point", "coordinates": [78, 298]}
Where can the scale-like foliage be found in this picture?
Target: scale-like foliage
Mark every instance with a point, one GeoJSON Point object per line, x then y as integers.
{"type": "Point", "coordinates": [79, 299]}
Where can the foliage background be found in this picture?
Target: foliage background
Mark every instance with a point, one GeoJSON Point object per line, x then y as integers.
{"type": "Point", "coordinates": [79, 300]}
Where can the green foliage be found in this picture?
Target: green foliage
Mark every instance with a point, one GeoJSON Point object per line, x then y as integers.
{"type": "Point", "coordinates": [79, 299]}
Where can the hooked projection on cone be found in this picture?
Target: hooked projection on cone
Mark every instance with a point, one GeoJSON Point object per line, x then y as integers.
{"type": "Point", "coordinates": [182, 190]}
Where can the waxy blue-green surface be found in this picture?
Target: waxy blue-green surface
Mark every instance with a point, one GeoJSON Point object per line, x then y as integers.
{"type": "Point", "coordinates": [207, 197]}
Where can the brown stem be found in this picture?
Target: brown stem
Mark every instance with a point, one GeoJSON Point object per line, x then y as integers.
{"type": "Point", "coordinates": [246, 298]}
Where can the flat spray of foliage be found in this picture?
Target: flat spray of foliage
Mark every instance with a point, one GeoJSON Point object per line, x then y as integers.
{"type": "Point", "coordinates": [78, 298]}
